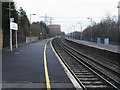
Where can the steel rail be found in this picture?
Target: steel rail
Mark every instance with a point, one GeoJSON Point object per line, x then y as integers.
{"type": "Point", "coordinates": [77, 58]}
{"type": "Point", "coordinates": [63, 46]}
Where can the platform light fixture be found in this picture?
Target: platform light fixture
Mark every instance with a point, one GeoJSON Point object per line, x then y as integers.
{"type": "Point", "coordinates": [30, 25]}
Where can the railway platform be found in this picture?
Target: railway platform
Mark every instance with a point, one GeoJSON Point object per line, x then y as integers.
{"type": "Point", "coordinates": [57, 64]}
{"type": "Point", "coordinates": [34, 66]}
{"type": "Point", "coordinates": [107, 47]}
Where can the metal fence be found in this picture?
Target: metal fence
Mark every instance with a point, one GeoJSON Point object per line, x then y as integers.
{"type": "Point", "coordinates": [114, 41]}
{"type": "Point", "coordinates": [6, 40]}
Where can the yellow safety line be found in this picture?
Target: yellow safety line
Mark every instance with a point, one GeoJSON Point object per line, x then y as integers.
{"type": "Point", "coordinates": [46, 70]}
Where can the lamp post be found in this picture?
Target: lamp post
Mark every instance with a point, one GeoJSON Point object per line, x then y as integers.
{"type": "Point", "coordinates": [74, 30]}
{"type": "Point", "coordinates": [30, 25]}
{"type": "Point", "coordinates": [81, 30]}
{"type": "Point", "coordinates": [11, 25]}
{"type": "Point", "coordinates": [10, 21]}
{"type": "Point", "coordinates": [91, 28]}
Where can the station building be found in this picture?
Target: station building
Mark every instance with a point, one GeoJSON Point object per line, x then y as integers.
{"type": "Point", "coordinates": [55, 29]}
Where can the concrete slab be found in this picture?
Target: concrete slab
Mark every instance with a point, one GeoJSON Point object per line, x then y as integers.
{"type": "Point", "coordinates": [109, 47]}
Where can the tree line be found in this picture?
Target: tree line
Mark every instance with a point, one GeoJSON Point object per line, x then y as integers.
{"type": "Point", "coordinates": [106, 28]}
{"type": "Point", "coordinates": [39, 28]}
{"type": "Point", "coordinates": [109, 27]}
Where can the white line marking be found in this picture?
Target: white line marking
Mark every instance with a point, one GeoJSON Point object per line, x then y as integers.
{"type": "Point", "coordinates": [73, 80]}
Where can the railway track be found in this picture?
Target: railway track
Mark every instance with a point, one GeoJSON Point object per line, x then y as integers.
{"type": "Point", "coordinates": [88, 76]}
{"type": "Point", "coordinates": [111, 64]}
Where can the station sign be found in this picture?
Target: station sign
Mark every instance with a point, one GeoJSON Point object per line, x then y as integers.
{"type": "Point", "coordinates": [13, 26]}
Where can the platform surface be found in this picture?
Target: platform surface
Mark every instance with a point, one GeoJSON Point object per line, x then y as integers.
{"type": "Point", "coordinates": [24, 68]}
{"type": "Point", "coordinates": [108, 47]}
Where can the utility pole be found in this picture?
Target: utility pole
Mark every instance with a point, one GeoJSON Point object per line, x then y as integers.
{"type": "Point", "coordinates": [30, 25]}
{"type": "Point", "coordinates": [46, 19]}
{"type": "Point", "coordinates": [51, 20]}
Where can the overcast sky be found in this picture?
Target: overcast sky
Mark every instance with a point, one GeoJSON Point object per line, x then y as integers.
{"type": "Point", "coordinates": [69, 12]}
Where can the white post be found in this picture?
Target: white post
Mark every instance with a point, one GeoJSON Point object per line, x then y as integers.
{"type": "Point", "coordinates": [30, 28]}
{"type": "Point", "coordinates": [16, 39]}
{"type": "Point", "coordinates": [11, 40]}
{"type": "Point", "coordinates": [10, 29]}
